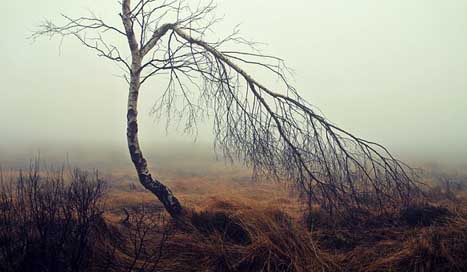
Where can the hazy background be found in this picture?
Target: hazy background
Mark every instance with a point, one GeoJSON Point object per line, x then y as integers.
{"type": "Point", "coordinates": [391, 71]}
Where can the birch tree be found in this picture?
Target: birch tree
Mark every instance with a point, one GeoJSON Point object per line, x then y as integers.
{"type": "Point", "coordinates": [274, 131]}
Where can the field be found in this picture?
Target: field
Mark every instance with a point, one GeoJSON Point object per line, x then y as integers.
{"type": "Point", "coordinates": [234, 224]}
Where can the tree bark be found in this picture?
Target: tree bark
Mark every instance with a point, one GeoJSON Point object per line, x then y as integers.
{"type": "Point", "coordinates": [163, 193]}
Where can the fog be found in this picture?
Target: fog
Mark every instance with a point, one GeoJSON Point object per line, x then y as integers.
{"type": "Point", "coordinates": [393, 72]}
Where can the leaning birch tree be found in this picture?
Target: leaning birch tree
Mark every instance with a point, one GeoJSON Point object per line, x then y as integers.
{"type": "Point", "coordinates": [275, 132]}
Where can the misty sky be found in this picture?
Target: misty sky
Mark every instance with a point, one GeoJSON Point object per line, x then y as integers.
{"type": "Point", "coordinates": [392, 71]}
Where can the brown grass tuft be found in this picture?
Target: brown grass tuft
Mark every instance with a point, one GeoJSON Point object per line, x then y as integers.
{"type": "Point", "coordinates": [245, 239]}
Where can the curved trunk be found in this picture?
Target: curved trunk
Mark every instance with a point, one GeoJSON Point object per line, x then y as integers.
{"type": "Point", "coordinates": [170, 202]}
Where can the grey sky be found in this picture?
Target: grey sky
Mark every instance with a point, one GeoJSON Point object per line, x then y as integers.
{"type": "Point", "coordinates": [392, 71]}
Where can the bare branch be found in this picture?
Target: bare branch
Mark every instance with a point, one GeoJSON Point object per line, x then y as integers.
{"type": "Point", "coordinates": [281, 135]}
{"type": "Point", "coordinates": [80, 28]}
{"type": "Point", "coordinates": [277, 133]}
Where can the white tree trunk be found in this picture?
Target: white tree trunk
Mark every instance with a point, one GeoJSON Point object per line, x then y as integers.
{"type": "Point", "coordinates": [170, 202]}
{"type": "Point", "coordinates": [163, 193]}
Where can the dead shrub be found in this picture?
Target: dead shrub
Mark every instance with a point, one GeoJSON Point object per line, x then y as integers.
{"type": "Point", "coordinates": [47, 221]}
{"type": "Point", "coordinates": [136, 243]}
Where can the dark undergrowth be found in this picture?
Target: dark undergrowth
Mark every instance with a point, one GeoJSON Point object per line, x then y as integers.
{"type": "Point", "coordinates": [51, 221]}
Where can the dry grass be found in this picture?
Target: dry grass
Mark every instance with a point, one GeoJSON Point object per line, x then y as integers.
{"type": "Point", "coordinates": [233, 236]}
{"type": "Point", "coordinates": [239, 225]}
{"type": "Point", "coordinates": [235, 224]}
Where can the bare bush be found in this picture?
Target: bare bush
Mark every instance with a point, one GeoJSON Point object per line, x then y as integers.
{"type": "Point", "coordinates": [138, 243]}
{"type": "Point", "coordinates": [47, 218]}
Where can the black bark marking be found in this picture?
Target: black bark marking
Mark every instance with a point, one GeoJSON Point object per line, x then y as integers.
{"type": "Point", "coordinates": [132, 128]}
